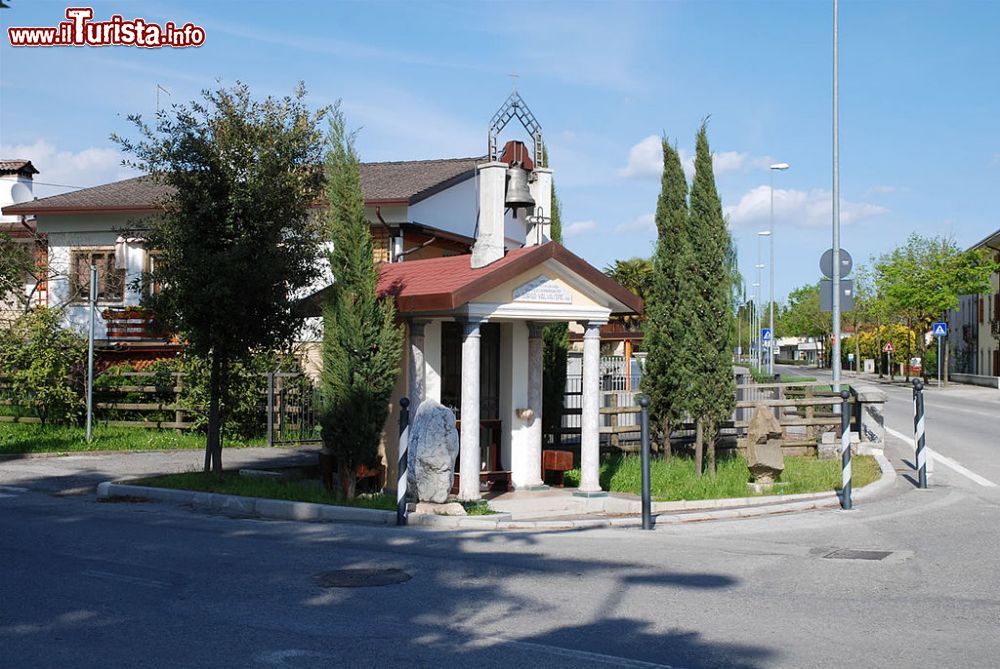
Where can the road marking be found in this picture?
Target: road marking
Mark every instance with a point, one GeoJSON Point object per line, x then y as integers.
{"type": "Point", "coordinates": [945, 460]}
{"type": "Point", "coordinates": [135, 580]}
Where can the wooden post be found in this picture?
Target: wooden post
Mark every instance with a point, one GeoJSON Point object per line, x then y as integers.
{"type": "Point", "coordinates": [178, 413]}
{"type": "Point", "coordinates": [615, 440]}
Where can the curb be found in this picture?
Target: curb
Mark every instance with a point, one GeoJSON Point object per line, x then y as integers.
{"type": "Point", "coordinates": [728, 509]}
{"type": "Point", "coordinates": [277, 509]}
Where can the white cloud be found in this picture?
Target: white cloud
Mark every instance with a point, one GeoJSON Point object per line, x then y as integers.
{"type": "Point", "coordinates": [645, 160]}
{"type": "Point", "coordinates": [882, 190]}
{"type": "Point", "coordinates": [69, 169]}
{"type": "Point", "coordinates": [578, 228]}
{"type": "Point", "coordinates": [811, 208]}
{"type": "Point", "coordinates": [644, 223]}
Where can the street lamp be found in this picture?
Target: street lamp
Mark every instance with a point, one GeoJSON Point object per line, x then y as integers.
{"type": "Point", "coordinates": [770, 360]}
{"type": "Point", "coordinates": [760, 266]}
{"type": "Point", "coordinates": [755, 328]}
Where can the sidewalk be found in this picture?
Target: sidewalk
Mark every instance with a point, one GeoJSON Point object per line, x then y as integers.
{"type": "Point", "coordinates": [552, 509]}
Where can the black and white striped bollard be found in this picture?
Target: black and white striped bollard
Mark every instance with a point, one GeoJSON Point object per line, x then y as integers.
{"type": "Point", "coordinates": [918, 432]}
{"type": "Point", "coordinates": [647, 519]}
{"type": "Point", "coordinates": [845, 451]}
{"type": "Point", "coordinates": [404, 438]}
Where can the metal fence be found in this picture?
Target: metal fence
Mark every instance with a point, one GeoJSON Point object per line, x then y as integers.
{"type": "Point", "coordinates": [292, 408]}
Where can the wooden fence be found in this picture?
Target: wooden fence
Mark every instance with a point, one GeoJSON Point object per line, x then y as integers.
{"type": "Point", "coordinates": [117, 405]}
{"type": "Point", "coordinates": [804, 410]}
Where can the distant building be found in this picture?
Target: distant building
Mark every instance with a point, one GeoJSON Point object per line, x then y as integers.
{"type": "Point", "coordinates": [974, 328]}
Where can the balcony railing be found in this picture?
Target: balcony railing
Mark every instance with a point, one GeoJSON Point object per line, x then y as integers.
{"type": "Point", "coordinates": [132, 324]}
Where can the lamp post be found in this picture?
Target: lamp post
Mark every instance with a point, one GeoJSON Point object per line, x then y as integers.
{"type": "Point", "coordinates": [835, 363]}
{"type": "Point", "coordinates": [755, 326]}
{"type": "Point", "coordinates": [760, 266]}
{"type": "Point", "coordinates": [770, 349]}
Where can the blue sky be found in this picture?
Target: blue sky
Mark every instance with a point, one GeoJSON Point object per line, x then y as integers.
{"type": "Point", "coordinates": [920, 102]}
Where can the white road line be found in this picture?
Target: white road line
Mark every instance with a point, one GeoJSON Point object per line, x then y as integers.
{"type": "Point", "coordinates": [136, 580]}
{"type": "Point", "coordinates": [945, 460]}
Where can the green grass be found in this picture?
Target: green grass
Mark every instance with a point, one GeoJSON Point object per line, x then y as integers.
{"type": "Point", "coordinates": [249, 486]}
{"type": "Point", "coordinates": [792, 378]}
{"type": "Point", "coordinates": [674, 479]}
{"type": "Point", "coordinates": [480, 508]}
{"type": "Point", "coordinates": [35, 438]}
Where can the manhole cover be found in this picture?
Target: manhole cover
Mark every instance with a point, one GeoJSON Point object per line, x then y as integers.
{"type": "Point", "coordinates": [853, 554]}
{"type": "Point", "coordinates": [360, 578]}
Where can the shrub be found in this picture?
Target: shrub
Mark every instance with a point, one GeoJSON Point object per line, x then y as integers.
{"type": "Point", "coordinates": [44, 364]}
{"type": "Point", "coordinates": [244, 390]}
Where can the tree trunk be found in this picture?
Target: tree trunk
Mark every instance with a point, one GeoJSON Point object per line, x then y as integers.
{"type": "Point", "coordinates": [666, 447]}
{"type": "Point", "coordinates": [857, 348]}
{"type": "Point", "coordinates": [348, 480]}
{"type": "Point", "coordinates": [213, 445]}
{"type": "Point", "coordinates": [909, 351]}
{"type": "Point", "coordinates": [712, 437]}
{"type": "Point", "coordinates": [699, 447]}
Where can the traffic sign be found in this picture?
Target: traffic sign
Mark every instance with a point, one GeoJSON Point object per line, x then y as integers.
{"type": "Point", "coordinates": [940, 329]}
{"type": "Point", "coordinates": [888, 348]}
{"type": "Point", "coordinates": [826, 263]}
{"type": "Point", "coordinates": [765, 334]}
{"type": "Point", "coordinates": [850, 357]}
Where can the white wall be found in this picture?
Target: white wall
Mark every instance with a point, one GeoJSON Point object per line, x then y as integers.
{"type": "Point", "coordinates": [67, 233]}
{"type": "Point", "coordinates": [453, 209]}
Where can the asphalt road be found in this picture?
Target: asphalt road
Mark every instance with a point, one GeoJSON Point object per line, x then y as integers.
{"type": "Point", "coordinates": [88, 584]}
{"type": "Point", "coordinates": [961, 422]}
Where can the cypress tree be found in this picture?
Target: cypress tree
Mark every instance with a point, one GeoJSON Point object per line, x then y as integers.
{"type": "Point", "coordinates": [710, 243]}
{"type": "Point", "coordinates": [555, 346]}
{"type": "Point", "coordinates": [669, 326]}
{"type": "Point", "coordinates": [362, 343]}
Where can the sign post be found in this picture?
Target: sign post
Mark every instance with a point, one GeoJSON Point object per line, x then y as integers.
{"type": "Point", "coordinates": [765, 339]}
{"type": "Point", "coordinates": [940, 331]}
{"type": "Point", "coordinates": [888, 349]}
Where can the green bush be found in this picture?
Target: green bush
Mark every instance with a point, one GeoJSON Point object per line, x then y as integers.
{"type": "Point", "coordinates": [244, 394]}
{"type": "Point", "coordinates": [43, 364]}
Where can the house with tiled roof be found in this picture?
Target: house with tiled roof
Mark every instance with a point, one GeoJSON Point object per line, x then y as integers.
{"type": "Point", "coordinates": [16, 186]}
{"type": "Point", "coordinates": [466, 253]}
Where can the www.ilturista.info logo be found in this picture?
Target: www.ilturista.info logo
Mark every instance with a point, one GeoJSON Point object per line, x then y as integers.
{"type": "Point", "coordinates": [81, 30]}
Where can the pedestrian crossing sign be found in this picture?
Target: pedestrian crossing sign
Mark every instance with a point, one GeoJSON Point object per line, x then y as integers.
{"type": "Point", "coordinates": [940, 329]}
{"type": "Point", "coordinates": [765, 334]}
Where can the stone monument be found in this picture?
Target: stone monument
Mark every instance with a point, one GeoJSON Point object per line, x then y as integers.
{"type": "Point", "coordinates": [764, 457]}
{"type": "Point", "coordinates": [431, 452]}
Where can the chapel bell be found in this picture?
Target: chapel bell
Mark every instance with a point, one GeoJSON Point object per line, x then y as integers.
{"type": "Point", "coordinates": [518, 194]}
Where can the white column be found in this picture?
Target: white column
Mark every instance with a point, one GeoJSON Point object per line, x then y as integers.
{"type": "Point", "coordinates": [469, 457]}
{"type": "Point", "coordinates": [533, 442]}
{"type": "Point", "coordinates": [590, 437]}
{"type": "Point", "coordinates": [418, 376]}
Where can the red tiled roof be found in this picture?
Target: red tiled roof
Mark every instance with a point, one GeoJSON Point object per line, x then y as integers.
{"type": "Point", "coordinates": [439, 284]}
{"type": "Point", "coordinates": [17, 166]}
{"type": "Point", "coordinates": [397, 182]}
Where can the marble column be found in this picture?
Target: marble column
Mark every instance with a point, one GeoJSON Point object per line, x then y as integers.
{"type": "Point", "coordinates": [590, 437]}
{"type": "Point", "coordinates": [531, 477]}
{"type": "Point", "coordinates": [418, 371]}
{"type": "Point", "coordinates": [469, 456]}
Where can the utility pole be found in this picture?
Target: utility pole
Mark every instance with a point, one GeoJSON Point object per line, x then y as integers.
{"type": "Point", "coordinates": [835, 363]}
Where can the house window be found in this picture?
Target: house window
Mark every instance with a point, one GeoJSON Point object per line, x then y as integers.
{"type": "Point", "coordinates": [110, 281]}
{"type": "Point", "coordinates": [153, 284]}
